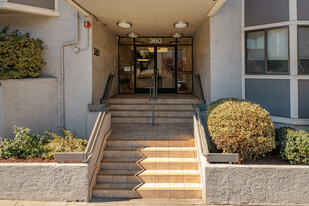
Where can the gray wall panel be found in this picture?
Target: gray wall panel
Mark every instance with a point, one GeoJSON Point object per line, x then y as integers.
{"type": "Point", "coordinates": [303, 99]}
{"type": "Point", "coordinates": [47, 4]}
{"type": "Point", "coordinates": [266, 11]}
{"type": "Point", "coordinates": [302, 9]}
{"type": "Point", "coordinates": [271, 94]}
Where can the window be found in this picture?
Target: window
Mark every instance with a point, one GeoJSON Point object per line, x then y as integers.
{"type": "Point", "coordinates": [272, 60]}
{"type": "Point", "coordinates": [303, 50]}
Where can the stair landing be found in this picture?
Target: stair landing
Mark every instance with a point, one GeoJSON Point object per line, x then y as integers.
{"type": "Point", "coordinates": [169, 108]}
{"type": "Point", "coordinates": [149, 161]}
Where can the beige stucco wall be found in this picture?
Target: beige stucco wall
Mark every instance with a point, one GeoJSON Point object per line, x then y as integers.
{"type": "Point", "coordinates": [29, 102]}
{"type": "Point", "coordinates": [257, 185]}
{"type": "Point", "coordinates": [78, 66]}
{"type": "Point", "coordinates": [44, 181]}
{"type": "Point", "coordinates": [105, 64]}
{"type": "Point", "coordinates": [225, 51]}
{"type": "Point", "coordinates": [201, 56]}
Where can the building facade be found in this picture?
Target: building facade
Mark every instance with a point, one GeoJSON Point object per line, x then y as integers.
{"type": "Point", "coordinates": [256, 50]}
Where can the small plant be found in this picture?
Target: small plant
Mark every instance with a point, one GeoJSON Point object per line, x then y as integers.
{"type": "Point", "coordinates": [67, 142]}
{"type": "Point", "coordinates": [23, 145]}
{"type": "Point", "coordinates": [240, 126]}
{"type": "Point", "coordinates": [281, 134]}
{"type": "Point", "coordinates": [20, 55]}
{"type": "Point", "coordinates": [297, 147]}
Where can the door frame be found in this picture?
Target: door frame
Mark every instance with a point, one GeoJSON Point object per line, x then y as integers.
{"type": "Point", "coordinates": [160, 90]}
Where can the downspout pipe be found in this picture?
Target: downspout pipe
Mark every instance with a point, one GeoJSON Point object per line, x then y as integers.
{"type": "Point", "coordinates": [62, 72]}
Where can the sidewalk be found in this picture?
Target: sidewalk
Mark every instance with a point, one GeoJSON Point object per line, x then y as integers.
{"type": "Point", "coordinates": [109, 202]}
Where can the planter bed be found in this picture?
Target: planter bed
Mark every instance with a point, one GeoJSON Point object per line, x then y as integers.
{"type": "Point", "coordinates": [269, 181]}
{"type": "Point", "coordinates": [27, 160]}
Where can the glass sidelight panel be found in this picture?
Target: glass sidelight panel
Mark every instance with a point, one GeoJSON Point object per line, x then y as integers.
{"type": "Point", "coordinates": [126, 69]}
{"type": "Point", "coordinates": [184, 69]}
{"type": "Point", "coordinates": [166, 67]}
{"type": "Point", "coordinates": [126, 82]}
{"type": "Point", "coordinates": [145, 66]}
{"type": "Point", "coordinates": [184, 83]}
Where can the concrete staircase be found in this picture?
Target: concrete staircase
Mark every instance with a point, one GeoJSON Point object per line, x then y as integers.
{"type": "Point", "coordinates": [146, 161]}
{"type": "Point", "coordinates": [138, 109]}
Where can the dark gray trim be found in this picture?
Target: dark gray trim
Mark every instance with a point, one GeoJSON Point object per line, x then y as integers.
{"type": "Point", "coordinates": [302, 10]}
{"type": "Point", "coordinates": [46, 4]}
{"type": "Point", "coordinates": [303, 99]}
{"type": "Point", "coordinates": [272, 94]}
{"type": "Point", "coordinates": [259, 12]}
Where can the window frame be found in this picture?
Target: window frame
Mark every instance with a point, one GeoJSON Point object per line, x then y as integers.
{"type": "Point", "coordinates": [299, 26]}
{"type": "Point", "coordinates": [266, 72]}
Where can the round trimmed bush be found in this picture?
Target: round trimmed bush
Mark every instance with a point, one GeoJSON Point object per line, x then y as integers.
{"type": "Point", "coordinates": [240, 126]}
{"type": "Point", "coordinates": [20, 55]}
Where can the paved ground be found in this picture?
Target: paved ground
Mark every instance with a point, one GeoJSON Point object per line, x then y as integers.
{"type": "Point", "coordinates": [109, 202]}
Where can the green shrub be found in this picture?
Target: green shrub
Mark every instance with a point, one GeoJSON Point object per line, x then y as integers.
{"type": "Point", "coordinates": [214, 104]}
{"type": "Point", "coordinates": [281, 134]}
{"type": "Point", "coordinates": [20, 55]}
{"type": "Point", "coordinates": [297, 147]}
{"type": "Point", "coordinates": [240, 126]}
{"type": "Point", "coordinates": [67, 142]}
{"type": "Point", "coordinates": [23, 145]}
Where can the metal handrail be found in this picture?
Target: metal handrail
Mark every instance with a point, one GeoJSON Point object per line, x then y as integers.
{"type": "Point", "coordinates": [107, 90]}
{"type": "Point", "coordinates": [95, 132]}
{"type": "Point", "coordinates": [199, 89]}
{"type": "Point", "coordinates": [153, 93]}
{"type": "Point", "coordinates": [201, 137]}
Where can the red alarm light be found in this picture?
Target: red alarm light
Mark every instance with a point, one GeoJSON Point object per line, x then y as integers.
{"type": "Point", "coordinates": [87, 24]}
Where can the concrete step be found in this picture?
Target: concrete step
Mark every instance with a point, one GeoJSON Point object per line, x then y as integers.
{"type": "Point", "coordinates": [173, 152]}
{"type": "Point", "coordinates": [157, 120]}
{"type": "Point", "coordinates": [148, 176]}
{"type": "Point", "coordinates": [118, 176]}
{"type": "Point", "coordinates": [148, 190]}
{"type": "Point", "coordinates": [126, 142]}
{"type": "Point", "coordinates": [148, 113]}
{"type": "Point", "coordinates": [170, 176]}
{"type": "Point", "coordinates": [159, 101]}
{"type": "Point", "coordinates": [149, 163]}
{"type": "Point", "coordinates": [148, 107]}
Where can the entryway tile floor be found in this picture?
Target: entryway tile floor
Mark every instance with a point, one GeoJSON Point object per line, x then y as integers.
{"type": "Point", "coordinates": [110, 202]}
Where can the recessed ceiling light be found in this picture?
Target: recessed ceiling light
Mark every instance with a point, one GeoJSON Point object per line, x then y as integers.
{"type": "Point", "coordinates": [132, 35]}
{"type": "Point", "coordinates": [181, 24]}
{"type": "Point", "coordinates": [177, 35]}
{"type": "Point", "coordinates": [124, 24]}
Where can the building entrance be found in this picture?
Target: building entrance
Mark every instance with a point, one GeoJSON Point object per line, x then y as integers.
{"type": "Point", "coordinates": [141, 58]}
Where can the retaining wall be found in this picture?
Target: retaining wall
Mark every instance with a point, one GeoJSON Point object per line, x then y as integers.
{"type": "Point", "coordinates": [44, 181]}
{"type": "Point", "coordinates": [257, 184]}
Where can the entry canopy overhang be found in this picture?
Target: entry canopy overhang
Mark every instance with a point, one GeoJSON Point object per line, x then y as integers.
{"type": "Point", "coordinates": [149, 17]}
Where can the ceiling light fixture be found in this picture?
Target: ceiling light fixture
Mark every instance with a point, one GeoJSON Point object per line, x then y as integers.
{"type": "Point", "coordinates": [177, 35]}
{"type": "Point", "coordinates": [181, 24]}
{"type": "Point", "coordinates": [132, 35]}
{"type": "Point", "coordinates": [124, 24]}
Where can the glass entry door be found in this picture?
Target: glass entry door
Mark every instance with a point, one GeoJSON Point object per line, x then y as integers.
{"type": "Point", "coordinates": [150, 60]}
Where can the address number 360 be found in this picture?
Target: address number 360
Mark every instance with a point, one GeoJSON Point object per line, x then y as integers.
{"type": "Point", "coordinates": [155, 40]}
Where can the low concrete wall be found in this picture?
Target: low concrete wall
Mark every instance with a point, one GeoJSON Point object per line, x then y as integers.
{"type": "Point", "coordinates": [257, 184]}
{"type": "Point", "coordinates": [44, 181]}
{"type": "Point", "coordinates": [29, 102]}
